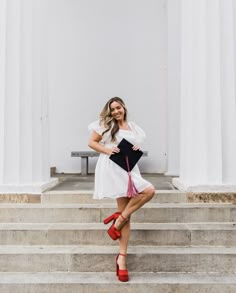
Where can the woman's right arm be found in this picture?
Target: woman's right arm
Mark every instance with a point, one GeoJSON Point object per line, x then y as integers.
{"type": "Point", "coordinates": [94, 143]}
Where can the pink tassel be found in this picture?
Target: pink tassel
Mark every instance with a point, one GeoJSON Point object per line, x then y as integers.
{"type": "Point", "coordinates": [132, 190]}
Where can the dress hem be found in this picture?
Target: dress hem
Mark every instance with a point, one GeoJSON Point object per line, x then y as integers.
{"type": "Point", "coordinates": [140, 189]}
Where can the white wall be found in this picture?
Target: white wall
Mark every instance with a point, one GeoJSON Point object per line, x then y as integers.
{"type": "Point", "coordinates": [174, 72]}
{"type": "Point", "coordinates": [100, 49]}
{"type": "Point", "coordinates": [234, 14]}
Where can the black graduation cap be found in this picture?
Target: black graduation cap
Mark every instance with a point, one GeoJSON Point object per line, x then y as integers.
{"type": "Point", "coordinates": [126, 151]}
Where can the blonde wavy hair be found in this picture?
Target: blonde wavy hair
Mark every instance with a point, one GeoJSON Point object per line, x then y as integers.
{"type": "Point", "coordinates": [106, 119]}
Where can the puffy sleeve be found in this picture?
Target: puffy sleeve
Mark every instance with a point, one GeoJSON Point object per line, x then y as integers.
{"type": "Point", "coordinates": [95, 126]}
{"type": "Point", "coordinates": [140, 135]}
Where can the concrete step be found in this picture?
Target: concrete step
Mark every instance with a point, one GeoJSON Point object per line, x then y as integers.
{"type": "Point", "coordinates": [106, 282]}
{"type": "Point", "coordinates": [168, 234]}
{"type": "Point", "coordinates": [95, 213]}
{"type": "Point", "coordinates": [102, 259]}
{"type": "Point", "coordinates": [84, 196]}
{"type": "Point", "coordinates": [161, 196]}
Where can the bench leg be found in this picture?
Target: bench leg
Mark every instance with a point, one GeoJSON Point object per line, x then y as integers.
{"type": "Point", "coordinates": [84, 165]}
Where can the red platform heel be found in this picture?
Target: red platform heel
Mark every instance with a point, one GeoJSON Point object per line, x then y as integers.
{"type": "Point", "coordinates": [122, 275]}
{"type": "Point", "coordinates": [112, 217]}
{"type": "Point", "coordinates": [112, 231]}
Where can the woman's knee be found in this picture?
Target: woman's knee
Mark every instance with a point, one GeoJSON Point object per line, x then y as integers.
{"type": "Point", "coordinates": [150, 192]}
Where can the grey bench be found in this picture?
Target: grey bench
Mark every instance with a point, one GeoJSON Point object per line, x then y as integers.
{"type": "Point", "coordinates": [84, 155]}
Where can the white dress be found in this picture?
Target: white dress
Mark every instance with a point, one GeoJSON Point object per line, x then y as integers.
{"type": "Point", "coordinates": [111, 181]}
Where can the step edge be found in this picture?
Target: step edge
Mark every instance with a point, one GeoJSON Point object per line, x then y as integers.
{"type": "Point", "coordinates": [108, 278]}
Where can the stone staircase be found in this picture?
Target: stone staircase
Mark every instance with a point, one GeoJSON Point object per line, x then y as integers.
{"type": "Point", "coordinates": [56, 242]}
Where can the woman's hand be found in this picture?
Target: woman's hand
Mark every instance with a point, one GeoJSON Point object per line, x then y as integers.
{"type": "Point", "coordinates": [113, 150]}
{"type": "Point", "coordinates": [135, 147]}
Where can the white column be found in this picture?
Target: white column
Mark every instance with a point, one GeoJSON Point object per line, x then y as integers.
{"type": "Point", "coordinates": [228, 52]}
{"type": "Point", "coordinates": [24, 151]}
{"type": "Point", "coordinates": [173, 113]}
{"type": "Point", "coordinates": [208, 109]}
{"type": "Point", "coordinates": [2, 81]}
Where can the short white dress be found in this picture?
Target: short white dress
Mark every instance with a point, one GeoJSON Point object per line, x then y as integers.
{"type": "Point", "coordinates": [111, 181]}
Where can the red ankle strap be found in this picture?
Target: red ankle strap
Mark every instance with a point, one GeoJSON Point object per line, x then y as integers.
{"type": "Point", "coordinates": [123, 218]}
{"type": "Point", "coordinates": [122, 254]}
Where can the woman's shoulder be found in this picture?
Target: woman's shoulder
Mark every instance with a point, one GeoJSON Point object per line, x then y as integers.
{"type": "Point", "coordinates": [133, 124]}
{"type": "Point", "coordinates": [96, 126]}
{"type": "Point", "coordinates": [135, 127]}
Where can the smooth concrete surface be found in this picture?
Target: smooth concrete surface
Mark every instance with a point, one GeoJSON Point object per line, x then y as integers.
{"type": "Point", "coordinates": [101, 259]}
{"type": "Point", "coordinates": [107, 282]}
{"type": "Point", "coordinates": [96, 213]}
{"type": "Point", "coordinates": [169, 234]}
{"type": "Point", "coordinates": [108, 278]}
{"type": "Point", "coordinates": [84, 196]}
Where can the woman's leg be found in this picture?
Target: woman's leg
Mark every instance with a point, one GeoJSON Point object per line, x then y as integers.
{"type": "Point", "coordinates": [134, 204]}
{"type": "Point", "coordinates": [124, 239]}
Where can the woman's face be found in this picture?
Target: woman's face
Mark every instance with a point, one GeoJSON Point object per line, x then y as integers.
{"type": "Point", "coordinates": [117, 111]}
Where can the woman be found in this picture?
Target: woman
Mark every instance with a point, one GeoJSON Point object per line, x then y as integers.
{"type": "Point", "coordinates": [111, 180]}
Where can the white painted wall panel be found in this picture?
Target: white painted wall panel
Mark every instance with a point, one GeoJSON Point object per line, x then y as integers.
{"type": "Point", "coordinates": [100, 49]}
